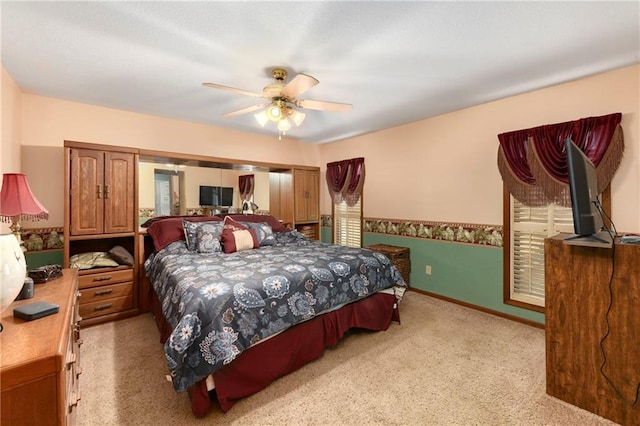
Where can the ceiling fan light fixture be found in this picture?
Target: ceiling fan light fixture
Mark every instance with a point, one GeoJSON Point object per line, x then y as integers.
{"type": "Point", "coordinates": [284, 125]}
{"type": "Point", "coordinates": [297, 117]}
{"type": "Point", "coordinates": [262, 118]}
{"type": "Point", "coordinates": [274, 113]}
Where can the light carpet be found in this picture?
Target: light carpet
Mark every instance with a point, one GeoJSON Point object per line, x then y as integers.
{"type": "Point", "coordinates": [443, 365]}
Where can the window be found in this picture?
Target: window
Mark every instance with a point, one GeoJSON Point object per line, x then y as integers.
{"type": "Point", "coordinates": [347, 224]}
{"type": "Point", "coordinates": [529, 227]}
{"type": "Point", "coordinates": [525, 229]}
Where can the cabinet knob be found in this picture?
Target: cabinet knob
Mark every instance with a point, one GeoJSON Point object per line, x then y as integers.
{"type": "Point", "coordinates": [107, 190]}
{"type": "Point", "coordinates": [99, 191]}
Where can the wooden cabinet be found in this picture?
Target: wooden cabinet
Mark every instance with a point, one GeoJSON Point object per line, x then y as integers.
{"type": "Point", "coordinates": [101, 213]}
{"type": "Point", "coordinates": [294, 198]}
{"type": "Point", "coordinates": [306, 195]}
{"type": "Point", "coordinates": [101, 191]}
{"type": "Point", "coordinates": [40, 365]}
{"type": "Point", "coordinates": [281, 196]}
{"type": "Point", "coordinates": [593, 328]}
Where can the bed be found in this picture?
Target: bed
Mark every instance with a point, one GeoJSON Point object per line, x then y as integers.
{"type": "Point", "coordinates": [242, 300]}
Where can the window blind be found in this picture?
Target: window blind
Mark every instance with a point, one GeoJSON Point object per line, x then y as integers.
{"type": "Point", "coordinates": [347, 224]}
{"type": "Point", "coordinates": [529, 227]}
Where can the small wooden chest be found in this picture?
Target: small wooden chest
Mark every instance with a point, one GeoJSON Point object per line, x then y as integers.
{"type": "Point", "coordinates": [400, 256]}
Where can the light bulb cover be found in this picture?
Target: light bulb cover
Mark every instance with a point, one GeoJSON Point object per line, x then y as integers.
{"type": "Point", "coordinates": [284, 124]}
{"type": "Point", "coordinates": [297, 117]}
{"type": "Point", "coordinates": [262, 118]}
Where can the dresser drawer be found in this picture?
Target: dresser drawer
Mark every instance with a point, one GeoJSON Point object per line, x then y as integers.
{"type": "Point", "coordinates": [95, 294]}
{"type": "Point", "coordinates": [104, 307]}
{"type": "Point", "coordinates": [104, 278]}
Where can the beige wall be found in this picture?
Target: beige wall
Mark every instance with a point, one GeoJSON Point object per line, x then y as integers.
{"type": "Point", "coordinates": [444, 168]}
{"type": "Point", "coordinates": [11, 132]}
{"type": "Point", "coordinates": [451, 159]}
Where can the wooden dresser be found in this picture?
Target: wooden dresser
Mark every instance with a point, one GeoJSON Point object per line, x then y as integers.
{"type": "Point", "coordinates": [593, 327]}
{"type": "Point", "coordinates": [40, 358]}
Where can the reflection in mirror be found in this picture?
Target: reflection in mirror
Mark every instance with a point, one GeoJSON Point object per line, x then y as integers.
{"type": "Point", "coordinates": [174, 189]}
{"type": "Point", "coordinates": [167, 192]}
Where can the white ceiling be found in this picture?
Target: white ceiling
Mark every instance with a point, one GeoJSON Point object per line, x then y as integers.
{"type": "Point", "coordinates": [396, 62]}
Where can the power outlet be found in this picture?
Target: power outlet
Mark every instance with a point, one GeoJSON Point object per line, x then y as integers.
{"type": "Point", "coordinates": [427, 270]}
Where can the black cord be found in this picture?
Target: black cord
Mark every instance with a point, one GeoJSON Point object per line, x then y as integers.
{"type": "Point", "coordinates": [606, 334]}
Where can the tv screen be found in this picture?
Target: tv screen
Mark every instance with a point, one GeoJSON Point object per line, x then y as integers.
{"type": "Point", "coordinates": [585, 205]}
{"type": "Point", "coordinates": [209, 195]}
{"type": "Point", "coordinates": [226, 197]}
{"type": "Point", "coordinates": [216, 196]}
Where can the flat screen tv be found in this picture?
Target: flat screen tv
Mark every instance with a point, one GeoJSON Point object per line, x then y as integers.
{"type": "Point", "coordinates": [216, 196]}
{"type": "Point", "coordinates": [585, 204]}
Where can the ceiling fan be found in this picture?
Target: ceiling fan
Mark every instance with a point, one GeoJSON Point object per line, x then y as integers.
{"type": "Point", "coordinates": [282, 100]}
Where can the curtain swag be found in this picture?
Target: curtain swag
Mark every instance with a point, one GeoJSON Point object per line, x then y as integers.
{"type": "Point", "coordinates": [533, 162]}
{"type": "Point", "coordinates": [246, 184]}
{"type": "Point", "coordinates": [345, 180]}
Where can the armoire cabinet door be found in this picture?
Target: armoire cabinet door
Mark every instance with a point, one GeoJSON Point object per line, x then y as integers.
{"type": "Point", "coordinates": [87, 192]}
{"type": "Point", "coordinates": [306, 184]}
{"type": "Point", "coordinates": [102, 192]}
{"type": "Point", "coordinates": [118, 192]}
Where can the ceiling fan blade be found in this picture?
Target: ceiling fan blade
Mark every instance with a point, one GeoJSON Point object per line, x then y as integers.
{"type": "Point", "coordinates": [300, 84]}
{"type": "Point", "coordinates": [244, 110]}
{"type": "Point", "coordinates": [232, 89]}
{"type": "Point", "coordinates": [323, 105]}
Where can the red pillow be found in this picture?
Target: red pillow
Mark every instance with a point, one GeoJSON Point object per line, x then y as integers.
{"type": "Point", "coordinates": [274, 223]}
{"type": "Point", "coordinates": [239, 240]}
{"type": "Point", "coordinates": [169, 229]}
{"type": "Point", "coordinates": [234, 225]}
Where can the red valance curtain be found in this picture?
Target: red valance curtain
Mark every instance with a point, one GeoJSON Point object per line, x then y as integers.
{"type": "Point", "coordinates": [533, 161]}
{"type": "Point", "coordinates": [345, 180]}
{"type": "Point", "coordinates": [246, 184]}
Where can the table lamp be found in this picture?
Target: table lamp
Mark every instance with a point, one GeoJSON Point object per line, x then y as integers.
{"type": "Point", "coordinates": [17, 202]}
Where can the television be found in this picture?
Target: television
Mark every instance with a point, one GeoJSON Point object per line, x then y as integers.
{"type": "Point", "coordinates": [216, 196]}
{"type": "Point", "coordinates": [585, 204]}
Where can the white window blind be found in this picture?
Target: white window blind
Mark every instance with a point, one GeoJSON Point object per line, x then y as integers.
{"type": "Point", "coordinates": [347, 224]}
{"type": "Point", "coordinates": [529, 227]}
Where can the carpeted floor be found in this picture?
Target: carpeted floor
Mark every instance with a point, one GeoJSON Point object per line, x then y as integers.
{"type": "Point", "coordinates": [444, 365]}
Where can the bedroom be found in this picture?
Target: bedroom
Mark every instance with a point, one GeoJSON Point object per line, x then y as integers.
{"type": "Point", "coordinates": [451, 157]}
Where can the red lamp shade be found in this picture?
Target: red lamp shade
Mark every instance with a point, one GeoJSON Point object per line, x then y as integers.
{"type": "Point", "coordinates": [17, 199]}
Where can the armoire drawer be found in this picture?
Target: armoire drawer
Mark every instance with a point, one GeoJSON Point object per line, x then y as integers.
{"type": "Point", "coordinates": [104, 278]}
{"type": "Point", "coordinates": [104, 307]}
{"type": "Point", "coordinates": [95, 294]}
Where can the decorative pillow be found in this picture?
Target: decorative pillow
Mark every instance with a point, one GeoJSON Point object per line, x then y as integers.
{"type": "Point", "coordinates": [90, 260]}
{"type": "Point", "coordinates": [168, 229]}
{"type": "Point", "coordinates": [121, 255]}
{"type": "Point", "coordinates": [191, 232]}
{"type": "Point", "coordinates": [274, 223]}
{"type": "Point", "coordinates": [208, 237]}
{"type": "Point", "coordinates": [263, 232]}
{"type": "Point", "coordinates": [239, 240]}
{"type": "Point", "coordinates": [234, 225]}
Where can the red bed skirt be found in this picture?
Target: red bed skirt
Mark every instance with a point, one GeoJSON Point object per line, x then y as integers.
{"type": "Point", "coordinates": [260, 365]}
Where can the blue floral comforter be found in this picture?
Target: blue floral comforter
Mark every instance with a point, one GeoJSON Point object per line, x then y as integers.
{"type": "Point", "coordinates": [221, 304]}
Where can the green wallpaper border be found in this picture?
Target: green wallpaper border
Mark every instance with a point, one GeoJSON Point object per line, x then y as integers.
{"type": "Point", "coordinates": [489, 235]}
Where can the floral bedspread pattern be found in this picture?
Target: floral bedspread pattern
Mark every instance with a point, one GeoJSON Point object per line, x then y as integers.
{"type": "Point", "coordinates": [221, 304]}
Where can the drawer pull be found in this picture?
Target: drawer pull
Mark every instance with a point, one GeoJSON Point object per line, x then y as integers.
{"type": "Point", "coordinates": [72, 360]}
{"type": "Point", "coordinates": [78, 372]}
{"type": "Point", "coordinates": [103, 307]}
{"type": "Point", "coordinates": [74, 399]}
{"type": "Point", "coordinates": [103, 278]}
{"type": "Point", "coordinates": [101, 292]}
